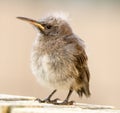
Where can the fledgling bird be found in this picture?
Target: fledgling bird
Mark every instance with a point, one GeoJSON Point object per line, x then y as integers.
{"type": "Point", "coordinates": [58, 58]}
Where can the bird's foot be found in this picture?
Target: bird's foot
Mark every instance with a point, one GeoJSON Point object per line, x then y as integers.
{"type": "Point", "coordinates": [65, 102]}
{"type": "Point", "coordinates": [48, 100]}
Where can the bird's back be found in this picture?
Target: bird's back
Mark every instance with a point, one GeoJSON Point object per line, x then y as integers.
{"type": "Point", "coordinates": [82, 77]}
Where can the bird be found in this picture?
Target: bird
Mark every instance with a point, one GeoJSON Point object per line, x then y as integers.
{"type": "Point", "coordinates": [58, 58]}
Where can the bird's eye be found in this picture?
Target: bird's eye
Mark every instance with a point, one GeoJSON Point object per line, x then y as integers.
{"type": "Point", "coordinates": [48, 26]}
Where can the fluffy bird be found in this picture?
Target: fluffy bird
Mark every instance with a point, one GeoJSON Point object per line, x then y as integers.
{"type": "Point", "coordinates": [58, 58]}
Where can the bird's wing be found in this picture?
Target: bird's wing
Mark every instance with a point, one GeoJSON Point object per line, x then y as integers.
{"type": "Point", "coordinates": [78, 51]}
{"type": "Point", "coordinates": [81, 65]}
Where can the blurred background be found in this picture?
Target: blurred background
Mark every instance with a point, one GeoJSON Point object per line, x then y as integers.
{"type": "Point", "coordinates": [97, 22]}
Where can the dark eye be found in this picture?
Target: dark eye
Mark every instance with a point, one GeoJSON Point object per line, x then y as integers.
{"type": "Point", "coordinates": [48, 26]}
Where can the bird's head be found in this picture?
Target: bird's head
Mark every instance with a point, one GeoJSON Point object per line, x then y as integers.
{"type": "Point", "coordinates": [50, 26]}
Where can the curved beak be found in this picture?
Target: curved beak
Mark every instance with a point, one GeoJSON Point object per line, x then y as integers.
{"type": "Point", "coordinates": [33, 22]}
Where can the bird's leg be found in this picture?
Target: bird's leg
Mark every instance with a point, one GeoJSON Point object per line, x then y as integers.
{"type": "Point", "coordinates": [66, 102]}
{"type": "Point", "coordinates": [48, 99]}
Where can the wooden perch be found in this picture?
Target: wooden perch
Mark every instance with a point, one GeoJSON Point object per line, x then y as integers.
{"type": "Point", "coordinates": [21, 104]}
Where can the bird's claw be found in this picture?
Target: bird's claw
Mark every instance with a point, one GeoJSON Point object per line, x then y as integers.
{"type": "Point", "coordinates": [54, 101]}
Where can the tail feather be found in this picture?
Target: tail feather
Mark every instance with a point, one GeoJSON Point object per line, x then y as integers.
{"type": "Point", "coordinates": [84, 91]}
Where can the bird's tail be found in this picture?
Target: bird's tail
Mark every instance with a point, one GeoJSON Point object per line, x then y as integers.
{"type": "Point", "coordinates": [83, 90]}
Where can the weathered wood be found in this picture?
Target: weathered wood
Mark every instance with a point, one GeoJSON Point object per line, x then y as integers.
{"type": "Point", "coordinates": [21, 104]}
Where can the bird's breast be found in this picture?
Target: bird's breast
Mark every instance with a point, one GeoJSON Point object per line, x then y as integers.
{"type": "Point", "coordinates": [53, 63]}
{"type": "Point", "coordinates": [39, 65]}
{"type": "Point", "coordinates": [50, 70]}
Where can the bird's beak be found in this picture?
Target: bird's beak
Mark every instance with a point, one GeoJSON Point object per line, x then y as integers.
{"type": "Point", "coordinates": [33, 22]}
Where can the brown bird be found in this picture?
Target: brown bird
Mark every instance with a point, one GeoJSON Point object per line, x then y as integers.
{"type": "Point", "coordinates": [58, 58]}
